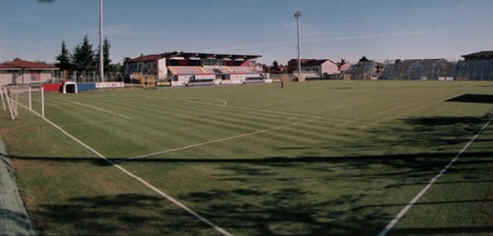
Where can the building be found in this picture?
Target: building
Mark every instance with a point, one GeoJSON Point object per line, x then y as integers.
{"type": "Point", "coordinates": [475, 66]}
{"type": "Point", "coordinates": [26, 72]}
{"type": "Point", "coordinates": [483, 55]}
{"type": "Point", "coordinates": [193, 68]}
{"type": "Point", "coordinates": [147, 64]}
{"type": "Point", "coordinates": [364, 70]}
{"type": "Point", "coordinates": [418, 69]}
{"type": "Point", "coordinates": [314, 67]}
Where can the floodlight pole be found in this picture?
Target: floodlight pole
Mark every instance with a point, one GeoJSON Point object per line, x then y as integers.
{"type": "Point", "coordinates": [297, 15]}
{"type": "Point", "coordinates": [101, 62]}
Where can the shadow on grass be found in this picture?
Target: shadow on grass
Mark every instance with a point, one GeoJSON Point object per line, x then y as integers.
{"type": "Point", "coordinates": [274, 195]}
{"type": "Point", "coordinates": [473, 98]}
{"type": "Point", "coordinates": [121, 214]}
{"type": "Point", "coordinates": [10, 218]}
{"type": "Point", "coordinates": [263, 200]}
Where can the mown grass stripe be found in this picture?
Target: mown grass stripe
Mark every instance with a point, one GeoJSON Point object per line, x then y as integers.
{"type": "Point", "coordinates": [300, 132]}
{"type": "Point", "coordinates": [211, 141]}
{"type": "Point", "coordinates": [142, 181]}
{"type": "Point", "coordinates": [403, 211]}
{"type": "Point", "coordinates": [152, 129]}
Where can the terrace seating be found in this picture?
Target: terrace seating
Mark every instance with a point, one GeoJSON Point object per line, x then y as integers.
{"type": "Point", "coordinates": [241, 70]}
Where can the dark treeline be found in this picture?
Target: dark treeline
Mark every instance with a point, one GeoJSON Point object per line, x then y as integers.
{"type": "Point", "coordinates": [84, 58]}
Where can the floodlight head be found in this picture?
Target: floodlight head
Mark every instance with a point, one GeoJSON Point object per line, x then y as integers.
{"type": "Point", "coordinates": [297, 14]}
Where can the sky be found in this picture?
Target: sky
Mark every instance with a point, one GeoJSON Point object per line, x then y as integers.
{"type": "Point", "coordinates": [335, 29]}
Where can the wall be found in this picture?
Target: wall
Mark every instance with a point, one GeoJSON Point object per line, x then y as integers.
{"type": "Point", "coordinates": [86, 86]}
{"type": "Point", "coordinates": [5, 78]}
{"type": "Point", "coordinates": [234, 79]}
{"type": "Point", "coordinates": [52, 87]}
{"type": "Point", "coordinates": [180, 80]}
{"type": "Point", "coordinates": [162, 69]}
{"type": "Point", "coordinates": [329, 68]}
{"type": "Point", "coordinates": [101, 85]}
{"type": "Point", "coordinates": [28, 77]}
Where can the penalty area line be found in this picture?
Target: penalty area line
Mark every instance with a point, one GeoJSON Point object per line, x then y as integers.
{"type": "Point", "coordinates": [217, 140]}
{"type": "Point", "coordinates": [404, 210]}
{"type": "Point", "coordinates": [139, 179]}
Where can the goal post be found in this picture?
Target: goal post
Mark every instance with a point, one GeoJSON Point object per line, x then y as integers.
{"type": "Point", "coordinates": [11, 102]}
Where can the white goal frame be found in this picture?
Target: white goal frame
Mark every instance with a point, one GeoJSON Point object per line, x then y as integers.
{"type": "Point", "coordinates": [10, 98]}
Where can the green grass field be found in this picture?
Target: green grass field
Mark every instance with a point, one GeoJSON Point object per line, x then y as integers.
{"type": "Point", "coordinates": [314, 158]}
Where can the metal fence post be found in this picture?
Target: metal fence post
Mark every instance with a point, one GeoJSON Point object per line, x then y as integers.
{"type": "Point", "coordinates": [30, 99]}
{"type": "Point", "coordinates": [42, 101]}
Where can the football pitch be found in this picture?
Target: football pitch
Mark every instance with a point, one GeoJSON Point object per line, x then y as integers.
{"type": "Point", "coordinates": [314, 158]}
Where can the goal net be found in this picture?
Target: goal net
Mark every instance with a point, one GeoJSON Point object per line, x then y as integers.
{"type": "Point", "coordinates": [13, 96]}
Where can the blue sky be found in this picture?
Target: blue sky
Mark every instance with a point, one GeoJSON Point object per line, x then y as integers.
{"type": "Point", "coordinates": [383, 29]}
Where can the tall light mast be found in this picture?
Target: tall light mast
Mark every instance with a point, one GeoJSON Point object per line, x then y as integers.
{"type": "Point", "coordinates": [297, 15]}
{"type": "Point", "coordinates": [101, 36]}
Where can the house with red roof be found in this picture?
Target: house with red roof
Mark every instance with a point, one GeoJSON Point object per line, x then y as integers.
{"type": "Point", "coordinates": [19, 71]}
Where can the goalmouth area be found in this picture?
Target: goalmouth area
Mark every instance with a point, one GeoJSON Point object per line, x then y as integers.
{"type": "Point", "coordinates": [315, 158]}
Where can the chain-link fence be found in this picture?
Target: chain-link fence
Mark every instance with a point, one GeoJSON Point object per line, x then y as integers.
{"type": "Point", "coordinates": [90, 76]}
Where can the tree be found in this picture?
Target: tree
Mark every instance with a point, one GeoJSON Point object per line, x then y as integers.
{"type": "Point", "coordinates": [83, 56]}
{"type": "Point", "coordinates": [364, 59]}
{"type": "Point", "coordinates": [275, 67]}
{"type": "Point", "coordinates": [64, 58]}
{"type": "Point", "coordinates": [106, 55]}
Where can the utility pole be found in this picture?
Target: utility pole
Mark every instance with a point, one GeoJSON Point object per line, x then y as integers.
{"type": "Point", "coordinates": [297, 15]}
{"type": "Point", "coordinates": [101, 60]}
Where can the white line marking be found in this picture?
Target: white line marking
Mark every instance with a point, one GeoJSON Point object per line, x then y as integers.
{"type": "Point", "coordinates": [427, 187]}
{"type": "Point", "coordinates": [142, 181]}
{"type": "Point", "coordinates": [100, 109]}
{"type": "Point", "coordinates": [217, 140]}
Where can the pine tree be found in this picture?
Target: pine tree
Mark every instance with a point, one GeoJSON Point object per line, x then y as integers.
{"type": "Point", "coordinates": [83, 56]}
{"type": "Point", "coordinates": [64, 58]}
